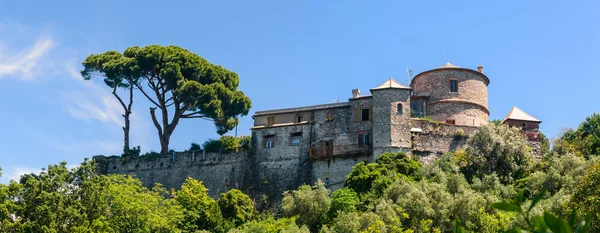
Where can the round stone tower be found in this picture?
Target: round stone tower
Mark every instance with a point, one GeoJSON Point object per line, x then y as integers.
{"type": "Point", "coordinates": [452, 95]}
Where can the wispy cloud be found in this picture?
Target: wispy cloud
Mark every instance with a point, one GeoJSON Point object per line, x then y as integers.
{"type": "Point", "coordinates": [95, 102]}
{"type": "Point", "coordinates": [22, 64]}
{"type": "Point", "coordinates": [92, 101]}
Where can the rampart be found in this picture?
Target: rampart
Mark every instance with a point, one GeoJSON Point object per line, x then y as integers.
{"type": "Point", "coordinates": [274, 172]}
{"type": "Point", "coordinates": [219, 172]}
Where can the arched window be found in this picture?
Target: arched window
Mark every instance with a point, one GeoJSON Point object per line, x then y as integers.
{"type": "Point", "coordinates": [399, 109]}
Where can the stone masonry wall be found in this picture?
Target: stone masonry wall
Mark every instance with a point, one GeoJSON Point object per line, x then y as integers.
{"type": "Point", "coordinates": [219, 173]}
{"type": "Point", "coordinates": [443, 104]}
{"type": "Point", "coordinates": [436, 138]}
{"type": "Point", "coordinates": [391, 128]}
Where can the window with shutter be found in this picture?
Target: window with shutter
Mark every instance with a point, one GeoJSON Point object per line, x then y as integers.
{"type": "Point", "coordinates": [269, 141]}
{"type": "Point", "coordinates": [453, 85]}
{"type": "Point", "coordinates": [365, 114]}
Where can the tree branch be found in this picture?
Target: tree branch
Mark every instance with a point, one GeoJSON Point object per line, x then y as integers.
{"type": "Point", "coordinates": [155, 121]}
{"type": "Point", "coordinates": [114, 92]}
{"type": "Point", "coordinates": [147, 96]}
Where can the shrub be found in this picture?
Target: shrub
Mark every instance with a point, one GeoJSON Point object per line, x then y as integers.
{"type": "Point", "coordinates": [500, 149]}
{"type": "Point", "coordinates": [400, 163]}
{"type": "Point", "coordinates": [201, 211]}
{"type": "Point", "coordinates": [236, 207]}
{"type": "Point", "coordinates": [195, 146]}
{"type": "Point", "coordinates": [586, 199]}
{"type": "Point", "coordinates": [368, 178]}
{"type": "Point", "coordinates": [343, 201]}
{"type": "Point", "coordinates": [310, 204]}
{"type": "Point", "coordinates": [245, 142]}
{"type": "Point", "coordinates": [227, 143]}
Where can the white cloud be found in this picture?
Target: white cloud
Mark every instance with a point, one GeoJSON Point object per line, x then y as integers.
{"type": "Point", "coordinates": [15, 173]}
{"type": "Point", "coordinates": [22, 64]}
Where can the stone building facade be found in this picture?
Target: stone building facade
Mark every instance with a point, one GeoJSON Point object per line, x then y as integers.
{"type": "Point", "coordinates": [295, 146]}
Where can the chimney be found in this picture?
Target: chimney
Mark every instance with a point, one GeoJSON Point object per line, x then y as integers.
{"type": "Point", "coordinates": [480, 69]}
{"type": "Point", "coordinates": [355, 93]}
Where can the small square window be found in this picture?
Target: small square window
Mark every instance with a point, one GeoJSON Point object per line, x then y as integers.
{"type": "Point", "coordinates": [269, 141]}
{"type": "Point", "coordinates": [298, 118]}
{"type": "Point", "coordinates": [453, 85]}
{"type": "Point", "coordinates": [364, 114]}
{"type": "Point", "coordinates": [296, 139]}
{"type": "Point", "coordinates": [363, 139]}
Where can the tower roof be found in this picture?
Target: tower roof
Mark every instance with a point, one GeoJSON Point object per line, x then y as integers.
{"type": "Point", "coordinates": [390, 83]}
{"type": "Point", "coordinates": [448, 65]}
{"type": "Point", "coordinates": [518, 114]}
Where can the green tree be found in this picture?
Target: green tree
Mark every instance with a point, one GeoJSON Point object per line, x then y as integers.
{"type": "Point", "coordinates": [236, 207]}
{"type": "Point", "coordinates": [173, 78]}
{"type": "Point", "coordinates": [201, 212]}
{"type": "Point", "coordinates": [585, 141]}
{"type": "Point", "coordinates": [586, 198]}
{"type": "Point", "coordinates": [400, 163]}
{"type": "Point", "coordinates": [497, 149]}
{"type": "Point", "coordinates": [78, 200]}
{"type": "Point", "coordinates": [343, 200]}
{"type": "Point", "coordinates": [118, 72]}
{"type": "Point", "coordinates": [310, 204]}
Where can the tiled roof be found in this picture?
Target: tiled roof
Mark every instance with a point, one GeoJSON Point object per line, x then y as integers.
{"type": "Point", "coordinates": [302, 109]}
{"type": "Point", "coordinates": [390, 83]}
{"type": "Point", "coordinates": [518, 114]}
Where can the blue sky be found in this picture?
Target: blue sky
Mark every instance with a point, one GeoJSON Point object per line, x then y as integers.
{"type": "Point", "coordinates": [540, 56]}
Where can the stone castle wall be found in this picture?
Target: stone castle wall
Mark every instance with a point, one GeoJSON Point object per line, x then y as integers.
{"type": "Point", "coordinates": [275, 170]}
{"type": "Point", "coordinates": [437, 138]}
{"type": "Point", "coordinates": [219, 172]}
{"type": "Point", "coordinates": [468, 106]}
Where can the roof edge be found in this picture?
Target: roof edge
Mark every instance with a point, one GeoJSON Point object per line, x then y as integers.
{"type": "Point", "coordinates": [451, 68]}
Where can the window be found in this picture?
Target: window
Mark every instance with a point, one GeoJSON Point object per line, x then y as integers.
{"type": "Point", "coordinates": [453, 85]}
{"type": "Point", "coordinates": [417, 108]}
{"type": "Point", "coordinates": [329, 116]}
{"type": "Point", "coordinates": [363, 139]}
{"type": "Point", "coordinates": [524, 126]}
{"type": "Point", "coordinates": [364, 114]}
{"type": "Point", "coordinates": [450, 121]}
{"type": "Point", "coordinates": [399, 109]}
{"type": "Point", "coordinates": [296, 139]}
{"type": "Point", "coordinates": [269, 141]}
{"type": "Point", "coordinates": [298, 118]}
{"type": "Point", "coordinates": [270, 120]}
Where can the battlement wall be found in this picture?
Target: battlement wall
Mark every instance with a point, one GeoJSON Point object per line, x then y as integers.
{"type": "Point", "coordinates": [218, 172]}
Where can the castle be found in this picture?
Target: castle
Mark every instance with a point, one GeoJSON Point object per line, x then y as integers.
{"type": "Point", "coordinates": [294, 146]}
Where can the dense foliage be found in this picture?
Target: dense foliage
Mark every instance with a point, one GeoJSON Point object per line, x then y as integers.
{"type": "Point", "coordinates": [227, 144]}
{"type": "Point", "coordinates": [584, 141]}
{"type": "Point", "coordinates": [493, 185]}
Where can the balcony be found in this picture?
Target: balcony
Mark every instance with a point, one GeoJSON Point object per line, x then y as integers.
{"type": "Point", "coordinates": [324, 152]}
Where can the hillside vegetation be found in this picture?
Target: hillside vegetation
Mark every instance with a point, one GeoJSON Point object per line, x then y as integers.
{"type": "Point", "coordinates": [493, 185]}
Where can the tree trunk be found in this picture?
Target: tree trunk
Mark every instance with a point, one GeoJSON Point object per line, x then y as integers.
{"type": "Point", "coordinates": [164, 144]}
{"type": "Point", "coordinates": [127, 110]}
{"type": "Point", "coordinates": [126, 147]}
